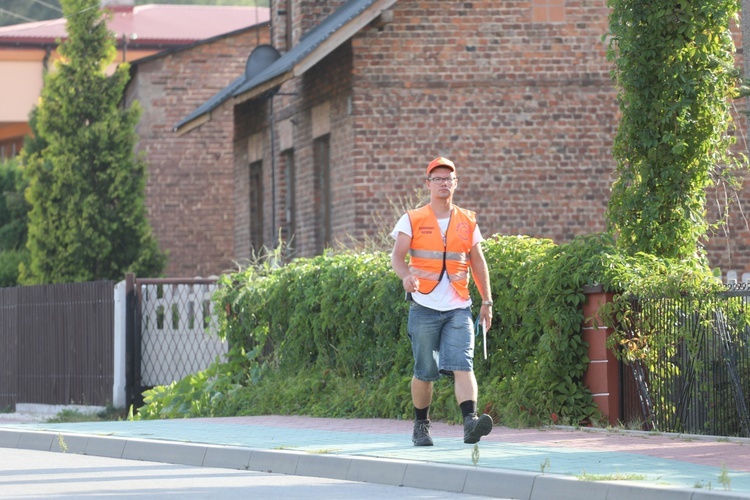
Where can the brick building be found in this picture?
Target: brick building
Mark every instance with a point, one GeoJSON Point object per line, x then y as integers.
{"type": "Point", "coordinates": [364, 93]}
{"type": "Point", "coordinates": [180, 56]}
{"type": "Point", "coordinates": [190, 177]}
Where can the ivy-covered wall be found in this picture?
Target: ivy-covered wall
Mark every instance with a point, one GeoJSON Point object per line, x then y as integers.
{"type": "Point", "coordinates": [326, 336]}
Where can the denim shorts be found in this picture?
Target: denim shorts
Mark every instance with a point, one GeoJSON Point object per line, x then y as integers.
{"type": "Point", "coordinates": [442, 341]}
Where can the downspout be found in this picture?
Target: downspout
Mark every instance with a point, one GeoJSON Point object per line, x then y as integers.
{"type": "Point", "coordinates": [273, 171]}
{"type": "Point", "coordinates": [45, 61]}
{"type": "Point", "coordinates": [273, 136]}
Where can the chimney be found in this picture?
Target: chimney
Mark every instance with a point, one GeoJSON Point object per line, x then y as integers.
{"type": "Point", "coordinates": [118, 4]}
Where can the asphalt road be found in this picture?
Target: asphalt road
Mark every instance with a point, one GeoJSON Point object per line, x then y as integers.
{"type": "Point", "coordinates": [39, 474]}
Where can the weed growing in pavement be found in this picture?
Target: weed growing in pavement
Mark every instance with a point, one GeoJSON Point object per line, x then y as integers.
{"type": "Point", "coordinates": [61, 442]}
{"type": "Point", "coordinates": [699, 485]}
{"type": "Point", "coordinates": [724, 478]}
{"type": "Point", "coordinates": [611, 477]}
{"type": "Point", "coordinates": [544, 466]}
{"type": "Point", "coordinates": [475, 455]}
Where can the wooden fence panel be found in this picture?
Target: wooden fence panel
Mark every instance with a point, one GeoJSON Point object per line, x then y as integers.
{"type": "Point", "coordinates": [8, 348]}
{"type": "Point", "coordinates": [65, 343]}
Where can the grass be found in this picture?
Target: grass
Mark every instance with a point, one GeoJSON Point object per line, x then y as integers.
{"type": "Point", "coordinates": [724, 478]}
{"type": "Point", "coordinates": [109, 414]}
{"type": "Point", "coordinates": [617, 476]}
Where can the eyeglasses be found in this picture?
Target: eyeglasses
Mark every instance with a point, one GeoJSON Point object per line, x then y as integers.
{"type": "Point", "coordinates": [442, 180]}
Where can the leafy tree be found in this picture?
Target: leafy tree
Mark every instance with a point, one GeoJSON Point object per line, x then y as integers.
{"type": "Point", "coordinates": [674, 65]}
{"type": "Point", "coordinates": [86, 187]}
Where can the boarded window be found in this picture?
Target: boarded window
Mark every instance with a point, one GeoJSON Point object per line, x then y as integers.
{"type": "Point", "coordinates": [290, 199]}
{"type": "Point", "coordinates": [323, 193]}
{"type": "Point", "coordinates": [256, 206]}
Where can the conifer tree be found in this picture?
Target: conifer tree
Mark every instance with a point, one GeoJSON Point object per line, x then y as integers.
{"type": "Point", "coordinates": [86, 186]}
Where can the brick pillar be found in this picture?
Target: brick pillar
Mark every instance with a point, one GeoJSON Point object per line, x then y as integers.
{"type": "Point", "coordinates": [603, 373]}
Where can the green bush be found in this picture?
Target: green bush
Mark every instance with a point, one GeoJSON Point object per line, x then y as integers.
{"type": "Point", "coordinates": [13, 222]}
{"type": "Point", "coordinates": [326, 336]}
{"type": "Point", "coordinates": [10, 260]}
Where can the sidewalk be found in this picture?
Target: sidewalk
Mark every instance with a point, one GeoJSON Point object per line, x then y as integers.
{"type": "Point", "coordinates": [534, 464]}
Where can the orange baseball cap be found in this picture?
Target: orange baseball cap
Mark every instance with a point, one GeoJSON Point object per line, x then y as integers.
{"type": "Point", "coordinates": [440, 162]}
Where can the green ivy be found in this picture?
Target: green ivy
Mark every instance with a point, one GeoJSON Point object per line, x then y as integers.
{"type": "Point", "coordinates": [674, 67]}
{"type": "Point", "coordinates": [327, 336]}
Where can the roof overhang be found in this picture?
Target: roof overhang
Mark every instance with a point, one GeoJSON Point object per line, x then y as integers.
{"type": "Point", "coordinates": [194, 123]}
{"type": "Point", "coordinates": [333, 31]}
{"type": "Point", "coordinates": [321, 50]}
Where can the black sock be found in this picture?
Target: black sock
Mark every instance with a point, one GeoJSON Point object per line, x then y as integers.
{"type": "Point", "coordinates": [422, 414]}
{"type": "Point", "coordinates": [468, 407]}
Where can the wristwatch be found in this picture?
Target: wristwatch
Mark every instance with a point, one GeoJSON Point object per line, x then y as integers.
{"type": "Point", "coordinates": [487, 302]}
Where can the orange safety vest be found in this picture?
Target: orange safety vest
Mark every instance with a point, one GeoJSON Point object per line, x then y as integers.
{"type": "Point", "coordinates": [431, 255]}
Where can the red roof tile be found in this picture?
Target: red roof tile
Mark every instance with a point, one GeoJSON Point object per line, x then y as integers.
{"type": "Point", "coordinates": [152, 24]}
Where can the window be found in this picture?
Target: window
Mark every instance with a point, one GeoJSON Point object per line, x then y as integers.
{"type": "Point", "coordinates": [322, 153]}
{"type": "Point", "coordinates": [10, 148]}
{"type": "Point", "coordinates": [256, 207]}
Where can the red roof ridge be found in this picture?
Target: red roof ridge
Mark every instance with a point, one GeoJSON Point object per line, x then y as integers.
{"type": "Point", "coordinates": [159, 23]}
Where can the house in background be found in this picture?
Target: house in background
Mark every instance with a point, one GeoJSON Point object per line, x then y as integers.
{"type": "Point", "coordinates": [28, 50]}
{"type": "Point", "coordinates": [339, 128]}
{"type": "Point", "coordinates": [190, 182]}
{"type": "Point", "coordinates": [180, 55]}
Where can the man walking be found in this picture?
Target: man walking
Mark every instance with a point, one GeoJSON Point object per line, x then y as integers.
{"type": "Point", "coordinates": [443, 244]}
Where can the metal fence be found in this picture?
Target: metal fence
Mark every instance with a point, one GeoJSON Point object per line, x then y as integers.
{"type": "Point", "coordinates": [173, 332]}
{"type": "Point", "coordinates": [693, 375]}
{"type": "Point", "coordinates": [56, 344]}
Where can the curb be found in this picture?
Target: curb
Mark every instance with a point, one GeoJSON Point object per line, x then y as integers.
{"type": "Point", "coordinates": [497, 483]}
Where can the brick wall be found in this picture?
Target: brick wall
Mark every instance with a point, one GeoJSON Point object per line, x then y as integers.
{"type": "Point", "coordinates": [526, 111]}
{"type": "Point", "coordinates": [518, 96]}
{"type": "Point", "coordinates": [191, 181]}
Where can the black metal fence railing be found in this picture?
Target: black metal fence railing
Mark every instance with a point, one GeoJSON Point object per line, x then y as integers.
{"type": "Point", "coordinates": [693, 374]}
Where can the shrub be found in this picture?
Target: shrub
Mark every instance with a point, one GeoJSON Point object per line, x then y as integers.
{"type": "Point", "coordinates": [327, 336]}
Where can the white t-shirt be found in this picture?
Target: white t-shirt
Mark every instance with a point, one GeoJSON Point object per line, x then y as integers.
{"type": "Point", "coordinates": [444, 297]}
